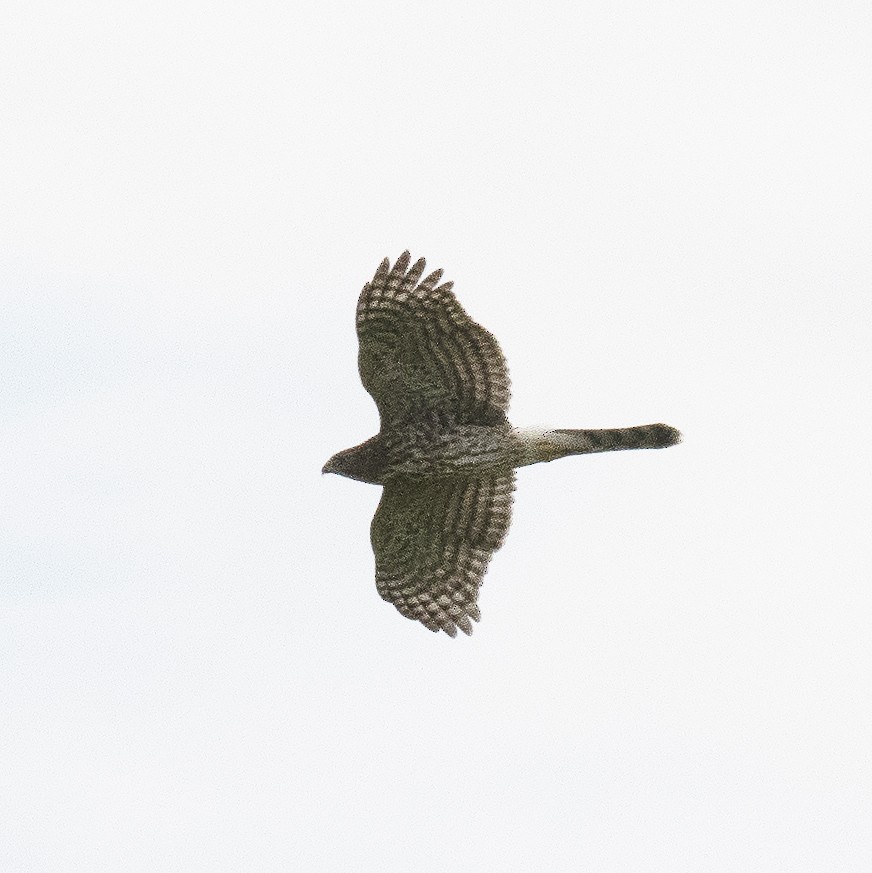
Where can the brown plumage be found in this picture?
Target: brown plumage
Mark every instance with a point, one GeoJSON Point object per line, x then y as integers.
{"type": "Point", "coordinates": [445, 453]}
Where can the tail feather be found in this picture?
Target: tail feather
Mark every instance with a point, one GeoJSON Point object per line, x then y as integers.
{"type": "Point", "coordinates": [643, 436]}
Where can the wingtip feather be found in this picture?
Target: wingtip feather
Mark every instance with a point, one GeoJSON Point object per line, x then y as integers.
{"type": "Point", "coordinates": [432, 279]}
{"type": "Point", "coordinates": [383, 269]}
{"type": "Point", "coordinates": [464, 624]}
{"type": "Point", "coordinates": [402, 263]}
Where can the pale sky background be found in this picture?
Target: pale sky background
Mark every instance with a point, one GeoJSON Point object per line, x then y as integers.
{"type": "Point", "coordinates": [663, 212]}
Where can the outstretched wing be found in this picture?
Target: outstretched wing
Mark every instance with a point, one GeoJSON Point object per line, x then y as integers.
{"type": "Point", "coordinates": [421, 354]}
{"type": "Point", "coordinates": [433, 540]}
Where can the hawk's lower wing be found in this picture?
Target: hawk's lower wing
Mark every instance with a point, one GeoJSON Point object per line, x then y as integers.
{"type": "Point", "coordinates": [432, 542]}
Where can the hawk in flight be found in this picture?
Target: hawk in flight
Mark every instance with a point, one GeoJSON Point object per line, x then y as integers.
{"type": "Point", "coordinates": [446, 453]}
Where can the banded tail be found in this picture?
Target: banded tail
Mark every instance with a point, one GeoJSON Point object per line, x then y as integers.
{"type": "Point", "coordinates": [552, 444]}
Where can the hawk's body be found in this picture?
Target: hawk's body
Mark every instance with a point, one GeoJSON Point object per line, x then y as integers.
{"type": "Point", "coordinates": [445, 452]}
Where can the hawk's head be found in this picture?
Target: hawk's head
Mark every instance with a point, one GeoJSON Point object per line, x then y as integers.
{"type": "Point", "coordinates": [364, 462]}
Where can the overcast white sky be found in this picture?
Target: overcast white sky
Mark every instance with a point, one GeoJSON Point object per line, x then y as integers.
{"type": "Point", "coordinates": [664, 213]}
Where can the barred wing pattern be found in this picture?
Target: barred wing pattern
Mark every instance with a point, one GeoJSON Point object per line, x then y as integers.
{"type": "Point", "coordinates": [433, 540]}
{"type": "Point", "coordinates": [421, 354]}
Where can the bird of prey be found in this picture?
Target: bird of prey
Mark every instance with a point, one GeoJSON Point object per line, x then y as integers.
{"type": "Point", "coordinates": [446, 453]}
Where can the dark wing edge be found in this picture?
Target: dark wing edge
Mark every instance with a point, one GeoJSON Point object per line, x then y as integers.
{"type": "Point", "coordinates": [433, 541]}
{"type": "Point", "coordinates": [419, 349]}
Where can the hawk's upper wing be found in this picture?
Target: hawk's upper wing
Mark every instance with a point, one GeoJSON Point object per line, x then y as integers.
{"type": "Point", "coordinates": [421, 353]}
{"type": "Point", "coordinates": [432, 541]}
